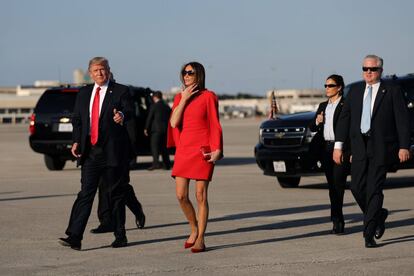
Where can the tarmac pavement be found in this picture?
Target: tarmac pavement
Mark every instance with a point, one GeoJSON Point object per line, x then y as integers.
{"type": "Point", "coordinates": [255, 227]}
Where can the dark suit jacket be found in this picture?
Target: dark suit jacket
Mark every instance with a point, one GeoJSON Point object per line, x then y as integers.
{"type": "Point", "coordinates": [322, 106]}
{"type": "Point", "coordinates": [112, 137]}
{"type": "Point", "coordinates": [389, 124]}
{"type": "Point", "coordinates": [158, 117]}
{"type": "Point", "coordinates": [319, 138]}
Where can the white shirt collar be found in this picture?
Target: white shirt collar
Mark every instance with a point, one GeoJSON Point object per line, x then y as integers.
{"type": "Point", "coordinates": [103, 87]}
{"type": "Point", "coordinates": [375, 86]}
{"type": "Point", "coordinates": [337, 100]}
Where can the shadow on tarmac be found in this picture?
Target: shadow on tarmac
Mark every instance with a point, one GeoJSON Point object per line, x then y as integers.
{"type": "Point", "coordinates": [34, 197]}
{"type": "Point", "coordinates": [399, 182]}
{"type": "Point", "coordinates": [390, 183]}
{"type": "Point", "coordinates": [399, 239]}
{"type": "Point", "coordinates": [231, 161]}
{"type": "Point", "coordinates": [349, 219]}
{"type": "Point", "coordinates": [267, 213]}
{"type": "Point", "coordinates": [226, 161]}
{"type": "Point", "coordinates": [348, 231]}
{"type": "Point", "coordinates": [11, 192]}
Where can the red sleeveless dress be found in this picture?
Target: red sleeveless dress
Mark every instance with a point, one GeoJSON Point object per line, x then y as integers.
{"type": "Point", "coordinates": [200, 126]}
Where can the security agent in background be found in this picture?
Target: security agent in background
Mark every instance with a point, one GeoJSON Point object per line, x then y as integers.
{"type": "Point", "coordinates": [104, 211]}
{"type": "Point", "coordinates": [375, 119]}
{"type": "Point", "coordinates": [156, 127]}
{"type": "Point", "coordinates": [324, 123]}
{"type": "Point", "coordinates": [131, 200]}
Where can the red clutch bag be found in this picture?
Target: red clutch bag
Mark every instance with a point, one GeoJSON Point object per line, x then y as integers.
{"type": "Point", "coordinates": [204, 150]}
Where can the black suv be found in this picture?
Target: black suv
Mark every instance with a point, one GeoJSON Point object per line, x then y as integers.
{"type": "Point", "coordinates": [51, 125]}
{"type": "Point", "coordinates": [288, 149]}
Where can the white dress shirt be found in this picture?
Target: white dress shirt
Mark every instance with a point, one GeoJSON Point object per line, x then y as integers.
{"type": "Point", "coordinates": [328, 129]}
{"type": "Point", "coordinates": [375, 88]}
{"type": "Point", "coordinates": [102, 94]}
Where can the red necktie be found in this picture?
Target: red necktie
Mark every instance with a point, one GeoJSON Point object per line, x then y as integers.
{"type": "Point", "coordinates": [95, 117]}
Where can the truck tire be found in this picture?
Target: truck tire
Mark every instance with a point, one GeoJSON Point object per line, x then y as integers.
{"type": "Point", "coordinates": [53, 163]}
{"type": "Point", "coordinates": [288, 182]}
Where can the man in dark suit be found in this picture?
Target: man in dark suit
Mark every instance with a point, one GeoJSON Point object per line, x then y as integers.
{"type": "Point", "coordinates": [324, 123]}
{"type": "Point", "coordinates": [102, 146]}
{"type": "Point", "coordinates": [156, 126]}
{"type": "Point", "coordinates": [131, 200]}
{"type": "Point", "coordinates": [375, 118]}
{"type": "Point", "coordinates": [105, 214]}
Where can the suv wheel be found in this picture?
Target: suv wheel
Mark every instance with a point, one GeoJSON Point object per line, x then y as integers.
{"type": "Point", "coordinates": [289, 182]}
{"type": "Point", "coordinates": [53, 163]}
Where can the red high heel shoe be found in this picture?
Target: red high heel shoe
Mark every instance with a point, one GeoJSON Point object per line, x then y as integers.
{"type": "Point", "coordinates": [198, 250]}
{"type": "Point", "coordinates": [188, 244]}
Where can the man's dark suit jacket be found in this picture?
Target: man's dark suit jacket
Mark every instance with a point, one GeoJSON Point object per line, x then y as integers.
{"type": "Point", "coordinates": [158, 117]}
{"type": "Point", "coordinates": [389, 124]}
{"type": "Point", "coordinates": [112, 137]}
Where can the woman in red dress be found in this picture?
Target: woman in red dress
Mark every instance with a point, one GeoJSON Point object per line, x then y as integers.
{"type": "Point", "coordinates": [196, 133]}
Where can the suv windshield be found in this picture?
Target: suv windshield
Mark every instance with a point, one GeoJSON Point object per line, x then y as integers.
{"type": "Point", "coordinates": [56, 102]}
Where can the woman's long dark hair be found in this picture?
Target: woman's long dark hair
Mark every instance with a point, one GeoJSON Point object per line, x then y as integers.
{"type": "Point", "coordinates": [200, 74]}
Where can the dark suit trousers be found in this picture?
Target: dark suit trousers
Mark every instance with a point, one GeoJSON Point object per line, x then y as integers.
{"type": "Point", "coordinates": [336, 177]}
{"type": "Point", "coordinates": [131, 201]}
{"type": "Point", "coordinates": [366, 186]}
{"type": "Point", "coordinates": [93, 169]}
{"type": "Point", "coordinates": [159, 146]}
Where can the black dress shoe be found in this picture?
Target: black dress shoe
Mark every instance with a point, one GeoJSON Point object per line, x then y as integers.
{"type": "Point", "coordinates": [120, 242]}
{"type": "Point", "coordinates": [102, 229]}
{"type": "Point", "coordinates": [370, 243]}
{"type": "Point", "coordinates": [338, 228]}
{"type": "Point", "coordinates": [140, 221]}
{"type": "Point", "coordinates": [71, 242]}
{"type": "Point", "coordinates": [380, 229]}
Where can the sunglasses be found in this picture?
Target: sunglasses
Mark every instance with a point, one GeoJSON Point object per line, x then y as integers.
{"type": "Point", "coordinates": [190, 73]}
{"type": "Point", "coordinates": [372, 69]}
{"type": "Point", "coordinates": [330, 85]}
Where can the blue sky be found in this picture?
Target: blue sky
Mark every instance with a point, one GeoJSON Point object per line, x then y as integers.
{"type": "Point", "coordinates": [246, 46]}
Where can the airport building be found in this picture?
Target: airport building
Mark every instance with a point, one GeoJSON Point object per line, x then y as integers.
{"type": "Point", "coordinates": [288, 101]}
{"type": "Point", "coordinates": [17, 103]}
{"type": "Point", "coordinates": [297, 100]}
